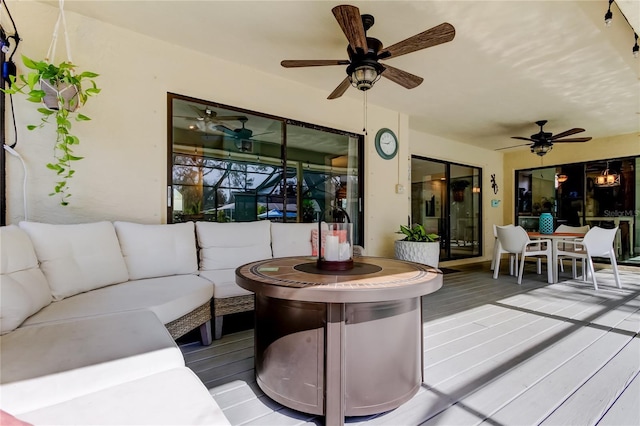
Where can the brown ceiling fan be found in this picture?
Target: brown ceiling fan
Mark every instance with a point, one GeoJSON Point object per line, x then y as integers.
{"type": "Point", "coordinates": [543, 141]}
{"type": "Point", "coordinates": [363, 66]}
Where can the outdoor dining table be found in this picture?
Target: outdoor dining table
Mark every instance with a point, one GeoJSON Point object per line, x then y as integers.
{"type": "Point", "coordinates": [568, 236]}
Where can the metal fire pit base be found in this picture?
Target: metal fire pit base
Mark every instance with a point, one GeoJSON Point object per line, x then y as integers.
{"type": "Point", "coordinates": [362, 357]}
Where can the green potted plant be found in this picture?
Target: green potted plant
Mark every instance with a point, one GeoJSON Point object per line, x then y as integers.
{"type": "Point", "coordinates": [59, 91]}
{"type": "Point", "coordinates": [418, 245]}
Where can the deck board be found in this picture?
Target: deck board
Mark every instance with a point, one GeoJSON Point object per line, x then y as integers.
{"type": "Point", "coordinates": [625, 409]}
{"type": "Point", "coordinates": [495, 353]}
{"type": "Point", "coordinates": [589, 403]}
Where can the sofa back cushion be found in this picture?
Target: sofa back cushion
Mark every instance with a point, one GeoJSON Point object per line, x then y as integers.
{"type": "Point", "coordinates": [77, 258]}
{"type": "Point", "coordinates": [292, 239]}
{"type": "Point", "coordinates": [229, 245]}
{"type": "Point", "coordinates": [158, 250]}
{"type": "Point", "coordinates": [23, 288]}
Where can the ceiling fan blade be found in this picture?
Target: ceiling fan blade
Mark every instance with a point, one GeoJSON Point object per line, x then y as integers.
{"type": "Point", "coordinates": [313, 63]}
{"type": "Point", "coordinates": [339, 91]}
{"type": "Point", "coordinates": [513, 146]}
{"type": "Point", "coordinates": [403, 78]}
{"type": "Point", "coordinates": [585, 139]}
{"type": "Point", "coordinates": [567, 133]}
{"type": "Point", "coordinates": [522, 139]}
{"type": "Point", "coordinates": [201, 112]}
{"type": "Point", "coordinates": [224, 129]}
{"type": "Point", "coordinates": [230, 118]}
{"type": "Point", "coordinates": [350, 22]}
{"type": "Point", "coordinates": [439, 34]}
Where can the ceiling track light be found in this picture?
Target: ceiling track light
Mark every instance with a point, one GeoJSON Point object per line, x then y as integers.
{"type": "Point", "coordinates": [608, 17]}
{"type": "Point", "coordinates": [636, 48]}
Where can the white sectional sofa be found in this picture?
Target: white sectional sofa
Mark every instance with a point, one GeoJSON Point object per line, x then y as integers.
{"type": "Point", "coordinates": [85, 316]}
{"type": "Point", "coordinates": [226, 246]}
{"type": "Point", "coordinates": [89, 314]}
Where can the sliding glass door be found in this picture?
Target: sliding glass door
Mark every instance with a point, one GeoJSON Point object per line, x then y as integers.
{"type": "Point", "coordinates": [232, 165]}
{"type": "Point", "coordinates": [464, 211]}
{"type": "Point", "coordinates": [446, 199]}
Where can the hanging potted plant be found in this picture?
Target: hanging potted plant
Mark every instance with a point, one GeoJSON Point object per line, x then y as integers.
{"type": "Point", "coordinates": [60, 92]}
{"type": "Point", "coordinates": [418, 245]}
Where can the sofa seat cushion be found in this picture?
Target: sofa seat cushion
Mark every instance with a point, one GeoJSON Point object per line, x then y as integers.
{"type": "Point", "coordinates": [229, 245]}
{"type": "Point", "coordinates": [174, 397]}
{"type": "Point", "coordinates": [158, 250]}
{"type": "Point", "coordinates": [292, 239]}
{"type": "Point", "coordinates": [23, 288]}
{"type": "Point", "coordinates": [168, 297]}
{"type": "Point", "coordinates": [50, 363]}
{"type": "Point", "coordinates": [224, 283]}
{"type": "Point", "coordinates": [77, 258]}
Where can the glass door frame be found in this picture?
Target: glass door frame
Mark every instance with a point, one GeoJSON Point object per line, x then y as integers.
{"type": "Point", "coordinates": [445, 228]}
{"type": "Point", "coordinates": [359, 237]}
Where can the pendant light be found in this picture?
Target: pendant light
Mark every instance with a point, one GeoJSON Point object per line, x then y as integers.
{"type": "Point", "coordinates": [608, 178]}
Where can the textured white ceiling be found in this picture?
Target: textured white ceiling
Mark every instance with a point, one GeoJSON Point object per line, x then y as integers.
{"type": "Point", "coordinates": [510, 64]}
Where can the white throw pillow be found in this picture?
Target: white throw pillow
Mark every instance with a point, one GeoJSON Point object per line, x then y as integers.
{"type": "Point", "coordinates": [292, 239]}
{"type": "Point", "coordinates": [23, 288]}
{"type": "Point", "coordinates": [229, 245]}
{"type": "Point", "coordinates": [77, 258]}
{"type": "Point", "coordinates": [158, 250]}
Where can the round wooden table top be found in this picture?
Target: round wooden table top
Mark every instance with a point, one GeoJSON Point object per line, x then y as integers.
{"type": "Point", "coordinates": [373, 279]}
{"type": "Point", "coordinates": [567, 235]}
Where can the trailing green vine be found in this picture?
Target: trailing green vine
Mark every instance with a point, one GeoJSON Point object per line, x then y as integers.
{"type": "Point", "coordinates": [62, 111]}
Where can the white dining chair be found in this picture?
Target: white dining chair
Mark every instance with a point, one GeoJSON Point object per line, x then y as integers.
{"type": "Point", "coordinates": [514, 239]}
{"type": "Point", "coordinates": [571, 229]}
{"type": "Point", "coordinates": [597, 242]}
{"type": "Point", "coordinates": [498, 252]}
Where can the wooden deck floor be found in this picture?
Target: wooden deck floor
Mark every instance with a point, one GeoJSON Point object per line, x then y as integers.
{"type": "Point", "coordinates": [495, 353]}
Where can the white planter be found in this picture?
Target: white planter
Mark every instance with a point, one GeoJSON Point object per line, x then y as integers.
{"type": "Point", "coordinates": [425, 253]}
{"type": "Point", "coordinates": [67, 92]}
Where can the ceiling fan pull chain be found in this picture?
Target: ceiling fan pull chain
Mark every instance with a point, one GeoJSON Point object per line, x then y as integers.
{"type": "Point", "coordinates": [364, 113]}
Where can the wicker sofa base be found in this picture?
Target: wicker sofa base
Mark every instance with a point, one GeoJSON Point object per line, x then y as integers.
{"type": "Point", "coordinates": [199, 317]}
{"type": "Point", "coordinates": [230, 305]}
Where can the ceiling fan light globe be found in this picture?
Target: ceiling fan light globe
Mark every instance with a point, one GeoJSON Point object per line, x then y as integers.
{"type": "Point", "coordinates": [363, 77]}
{"type": "Point", "coordinates": [541, 150]}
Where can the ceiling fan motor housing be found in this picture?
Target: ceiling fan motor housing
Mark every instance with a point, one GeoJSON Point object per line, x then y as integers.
{"type": "Point", "coordinates": [364, 69]}
{"type": "Point", "coordinates": [542, 136]}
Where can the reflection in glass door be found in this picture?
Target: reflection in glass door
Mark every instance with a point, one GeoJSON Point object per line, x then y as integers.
{"type": "Point", "coordinates": [446, 199]}
{"type": "Point", "coordinates": [464, 211]}
{"type": "Point", "coordinates": [428, 196]}
{"type": "Point", "coordinates": [233, 165]}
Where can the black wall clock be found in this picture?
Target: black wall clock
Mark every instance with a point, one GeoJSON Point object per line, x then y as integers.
{"type": "Point", "coordinates": [386, 143]}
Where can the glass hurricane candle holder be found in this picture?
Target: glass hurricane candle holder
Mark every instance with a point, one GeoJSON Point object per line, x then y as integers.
{"type": "Point", "coordinates": [335, 245]}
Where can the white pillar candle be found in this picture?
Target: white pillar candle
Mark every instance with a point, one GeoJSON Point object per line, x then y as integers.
{"type": "Point", "coordinates": [345, 251]}
{"type": "Point", "coordinates": [331, 249]}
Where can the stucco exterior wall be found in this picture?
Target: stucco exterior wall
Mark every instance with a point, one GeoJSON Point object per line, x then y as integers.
{"type": "Point", "coordinates": [123, 174]}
